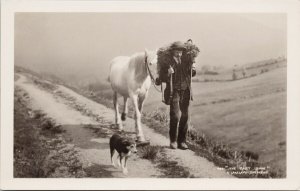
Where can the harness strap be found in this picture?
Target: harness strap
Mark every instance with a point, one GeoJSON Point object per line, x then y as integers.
{"type": "Point", "coordinates": [151, 76]}
{"type": "Point", "coordinates": [162, 93]}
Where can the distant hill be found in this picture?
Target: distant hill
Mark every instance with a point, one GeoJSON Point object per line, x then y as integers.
{"type": "Point", "coordinates": [264, 62]}
{"type": "Point", "coordinates": [215, 73]}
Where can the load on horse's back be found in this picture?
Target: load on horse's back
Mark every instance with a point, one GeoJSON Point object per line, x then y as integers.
{"type": "Point", "coordinates": [164, 58]}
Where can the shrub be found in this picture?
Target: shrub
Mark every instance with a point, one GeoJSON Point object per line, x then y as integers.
{"type": "Point", "coordinates": [234, 76]}
{"type": "Point", "coordinates": [211, 72]}
{"type": "Point", "coordinates": [196, 80]}
{"type": "Point", "coordinates": [150, 152]}
{"type": "Point", "coordinates": [50, 125]}
{"type": "Point", "coordinates": [159, 115]}
{"type": "Point", "coordinates": [38, 115]}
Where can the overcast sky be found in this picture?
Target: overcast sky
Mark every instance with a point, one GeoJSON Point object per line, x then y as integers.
{"type": "Point", "coordinates": [82, 44]}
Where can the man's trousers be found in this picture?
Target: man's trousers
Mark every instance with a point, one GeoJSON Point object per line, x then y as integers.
{"type": "Point", "coordinates": [179, 114]}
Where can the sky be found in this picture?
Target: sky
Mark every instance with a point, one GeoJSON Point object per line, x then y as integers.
{"type": "Point", "coordinates": [79, 46]}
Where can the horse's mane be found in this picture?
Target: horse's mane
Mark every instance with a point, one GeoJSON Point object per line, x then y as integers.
{"type": "Point", "coordinates": [137, 63]}
{"type": "Point", "coordinates": [138, 57]}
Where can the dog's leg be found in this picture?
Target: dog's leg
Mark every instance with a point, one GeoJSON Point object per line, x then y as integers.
{"type": "Point", "coordinates": [125, 170]}
{"type": "Point", "coordinates": [119, 160]}
{"type": "Point", "coordinates": [123, 163]}
{"type": "Point", "coordinates": [112, 152]}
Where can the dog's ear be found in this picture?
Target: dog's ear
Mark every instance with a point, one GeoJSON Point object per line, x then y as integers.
{"type": "Point", "coordinates": [126, 142]}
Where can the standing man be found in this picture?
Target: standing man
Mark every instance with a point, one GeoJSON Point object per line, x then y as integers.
{"type": "Point", "coordinates": [180, 71]}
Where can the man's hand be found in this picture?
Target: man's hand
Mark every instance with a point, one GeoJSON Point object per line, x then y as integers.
{"type": "Point", "coordinates": [170, 71]}
{"type": "Point", "coordinates": [193, 70]}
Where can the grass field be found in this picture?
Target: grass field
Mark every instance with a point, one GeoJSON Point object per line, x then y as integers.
{"type": "Point", "coordinates": [247, 114]}
{"type": "Point", "coordinates": [251, 70]}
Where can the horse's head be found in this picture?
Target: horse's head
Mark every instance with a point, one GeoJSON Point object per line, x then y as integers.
{"type": "Point", "coordinates": [150, 57]}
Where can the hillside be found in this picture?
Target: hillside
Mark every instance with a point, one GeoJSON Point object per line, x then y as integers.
{"type": "Point", "coordinates": [219, 74]}
{"type": "Point", "coordinates": [247, 114]}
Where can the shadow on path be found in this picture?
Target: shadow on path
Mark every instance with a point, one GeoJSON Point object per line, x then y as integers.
{"type": "Point", "coordinates": [99, 171]}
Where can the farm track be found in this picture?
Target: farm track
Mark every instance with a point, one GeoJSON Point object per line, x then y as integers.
{"type": "Point", "coordinates": [75, 112]}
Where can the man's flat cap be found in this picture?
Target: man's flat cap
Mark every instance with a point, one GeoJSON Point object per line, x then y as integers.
{"type": "Point", "coordinates": [178, 45]}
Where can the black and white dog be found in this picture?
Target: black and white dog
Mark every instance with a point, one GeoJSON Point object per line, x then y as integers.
{"type": "Point", "coordinates": [124, 147]}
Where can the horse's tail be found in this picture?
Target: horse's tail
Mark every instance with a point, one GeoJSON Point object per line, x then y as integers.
{"type": "Point", "coordinates": [108, 79]}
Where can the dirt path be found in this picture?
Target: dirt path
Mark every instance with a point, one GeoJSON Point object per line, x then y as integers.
{"type": "Point", "coordinates": [75, 112]}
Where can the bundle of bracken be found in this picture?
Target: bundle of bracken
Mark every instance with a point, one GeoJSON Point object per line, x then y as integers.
{"type": "Point", "coordinates": [164, 56]}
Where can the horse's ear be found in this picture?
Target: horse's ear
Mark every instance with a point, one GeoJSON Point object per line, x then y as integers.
{"type": "Point", "coordinates": [146, 52]}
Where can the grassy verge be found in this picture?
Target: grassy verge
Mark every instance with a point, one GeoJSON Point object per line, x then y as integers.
{"type": "Point", "coordinates": [169, 168]}
{"type": "Point", "coordinates": [40, 150]}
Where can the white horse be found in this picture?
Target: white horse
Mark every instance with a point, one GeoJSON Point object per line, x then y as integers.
{"type": "Point", "coordinates": [129, 76]}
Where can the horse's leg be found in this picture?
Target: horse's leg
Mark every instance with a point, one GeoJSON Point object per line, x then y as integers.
{"type": "Point", "coordinates": [117, 114]}
{"type": "Point", "coordinates": [125, 110]}
{"type": "Point", "coordinates": [141, 100]}
{"type": "Point", "coordinates": [138, 126]}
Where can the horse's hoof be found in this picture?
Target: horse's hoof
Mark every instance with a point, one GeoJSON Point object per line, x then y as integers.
{"type": "Point", "coordinates": [142, 142]}
{"type": "Point", "coordinates": [123, 117]}
{"type": "Point", "coordinates": [119, 127]}
{"type": "Point", "coordinates": [121, 131]}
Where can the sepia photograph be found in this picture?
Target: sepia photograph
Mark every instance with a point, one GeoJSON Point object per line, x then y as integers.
{"type": "Point", "coordinates": [158, 95]}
